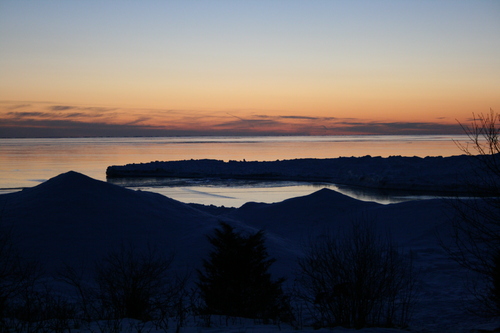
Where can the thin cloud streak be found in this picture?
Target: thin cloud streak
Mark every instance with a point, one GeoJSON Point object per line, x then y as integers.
{"type": "Point", "coordinates": [299, 117]}
{"type": "Point", "coordinates": [19, 106]}
{"type": "Point", "coordinates": [47, 115]}
{"type": "Point", "coordinates": [61, 107]}
{"type": "Point", "coordinates": [403, 128]}
{"type": "Point", "coordinates": [138, 121]}
{"type": "Point", "coordinates": [20, 114]}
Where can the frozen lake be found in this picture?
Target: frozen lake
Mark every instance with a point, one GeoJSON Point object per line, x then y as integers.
{"type": "Point", "coordinates": [234, 193]}
{"type": "Point", "coordinates": [28, 162]}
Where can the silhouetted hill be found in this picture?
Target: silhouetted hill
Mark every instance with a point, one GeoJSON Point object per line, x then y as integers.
{"type": "Point", "coordinates": [301, 216]}
{"type": "Point", "coordinates": [74, 218]}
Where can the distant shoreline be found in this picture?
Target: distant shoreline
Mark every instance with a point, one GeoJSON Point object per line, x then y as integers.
{"type": "Point", "coordinates": [444, 174]}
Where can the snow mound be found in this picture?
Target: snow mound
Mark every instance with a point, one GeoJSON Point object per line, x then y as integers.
{"type": "Point", "coordinates": [301, 216]}
{"type": "Point", "coordinates": [72, 218]}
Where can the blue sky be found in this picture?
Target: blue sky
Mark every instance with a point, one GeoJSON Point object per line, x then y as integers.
{"type": "Point", "coordinates": [246, 67]}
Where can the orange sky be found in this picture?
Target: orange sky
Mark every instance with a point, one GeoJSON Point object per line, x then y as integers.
{"type": "Point", "coordinates": [102, 68]}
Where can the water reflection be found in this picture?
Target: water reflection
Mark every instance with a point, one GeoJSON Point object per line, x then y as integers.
{"type": "Point", "coordinates": [26, 159]}
{"type": "Point", "coordinates": [385, 197]}
{"type": "Point", "coordinates": [236, 192]}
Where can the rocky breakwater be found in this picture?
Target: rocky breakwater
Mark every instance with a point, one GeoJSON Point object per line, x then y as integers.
{"type": "Point", "coordinates": [453, 174]}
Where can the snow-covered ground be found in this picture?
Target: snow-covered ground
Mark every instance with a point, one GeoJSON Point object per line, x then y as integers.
{"type": "Point", "coordinates": [74, 219]}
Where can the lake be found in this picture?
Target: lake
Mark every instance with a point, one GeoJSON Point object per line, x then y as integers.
{"type": "Point", "coordinates": [27, 162]}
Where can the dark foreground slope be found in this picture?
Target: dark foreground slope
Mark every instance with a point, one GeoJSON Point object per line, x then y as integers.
{"type": "Point", "coordinates": [72, 218]}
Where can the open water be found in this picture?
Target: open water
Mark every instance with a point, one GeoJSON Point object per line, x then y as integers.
{"type": "Point", "coordinates": [27, 162]}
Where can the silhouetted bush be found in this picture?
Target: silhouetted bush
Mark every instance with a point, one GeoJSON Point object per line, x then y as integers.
{"type": "Point", "coordinates": [476, 226]}
{"type": "Point", "coordinates": [26, 304]}
{"type": "Point", "coordinates": [38, 309]}
{"type": "Point", "coordinates": [129, 283]}
{"type": "Point", "coordinates": [495, 277]}
{"type": "Point", "coordinates": [16, 273]}
{"type": "Point", "coordinates": [356, 279]}
{"type": "Point", "coordinates": [235, 280]}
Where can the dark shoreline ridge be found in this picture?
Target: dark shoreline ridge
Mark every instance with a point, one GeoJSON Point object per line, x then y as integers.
{"type": "Point", "coordinates": [447, 174]}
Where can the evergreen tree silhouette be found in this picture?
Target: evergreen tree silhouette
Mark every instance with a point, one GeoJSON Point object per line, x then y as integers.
{"type": "Point", "coordinates": [236, 281]}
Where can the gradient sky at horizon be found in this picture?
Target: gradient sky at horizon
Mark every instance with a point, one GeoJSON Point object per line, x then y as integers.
{"type": "Point", "coordinates": [128, 68]}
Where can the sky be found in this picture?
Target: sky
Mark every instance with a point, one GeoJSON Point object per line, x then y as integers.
{"type": "Point", "coordinates": [158, 68]}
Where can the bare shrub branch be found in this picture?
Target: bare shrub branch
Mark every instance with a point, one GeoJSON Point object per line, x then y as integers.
{"type": "Point", "coordinates": [356, 279]}
{"type": "Point", "coordinates": [130, 283]}
{"type": "Point", "coordinates": [476, 226]}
